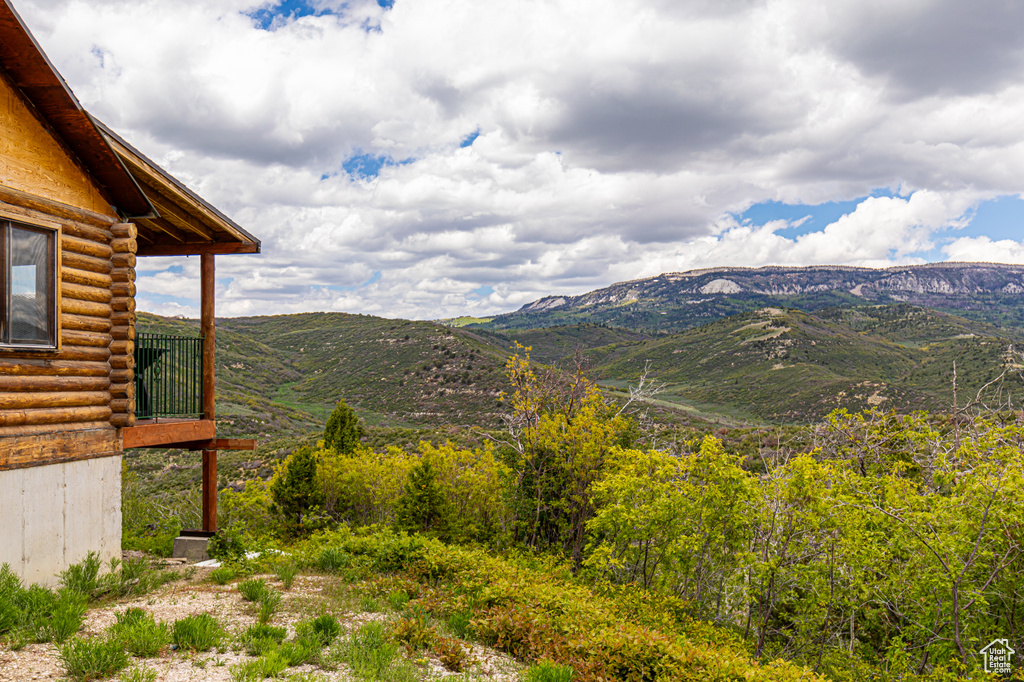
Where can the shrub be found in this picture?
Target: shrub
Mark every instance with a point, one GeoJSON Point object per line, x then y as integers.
{"type": "Point", "coordinates": [139, 674]}
{"type": "Point", "coordinates": [414, 630]}
{"type": "Point", "coordinates": [268, 602]}
{"type": "Point", "coordinates": [270, 664]}
{"type": "Point", "coordinates": [200, 632]}
{"type": "Point", "coordinates": [333, 559]}
{"type": "Point", "coordinates": [85, 659]}
{"type": "Point", "coordinates": [454, 657]}
{"type": "Point", "coordinates": [139, 633]}
{"type": "Point", "coordinates": [300, 651]}
{"type": "Point", "coordinates": [83, 577]}
{"type": "Point", "coordinates": [398, 599]}
{"type": "Point", "coordinates": [253, 589]}
{"type": "Point", "coordinates": [547, 671]}
{"type": "Point", "coordinates": [222, 575]}
{"type": "Point", "coordinates": [228, 545]}
{"type": "Point", "coordinates": [323, 629]}
{"type": "Point", "coordinates": [260, 638]}
{"type": "Point", "coordinates": [459, 623]}
{"type": "Point", "coordinates": [286, 574]}
{"type": "Point", "coordinates": [66, 617]}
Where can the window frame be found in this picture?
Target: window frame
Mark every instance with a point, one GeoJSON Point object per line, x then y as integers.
{"type": "Point", "coordinates": [31, 224]}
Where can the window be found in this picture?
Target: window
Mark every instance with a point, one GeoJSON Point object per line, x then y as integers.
{"type": "Point", "coordinates": [29, 284]}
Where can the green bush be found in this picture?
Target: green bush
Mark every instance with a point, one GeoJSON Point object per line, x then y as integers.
{"type": "Point", "coordinates": [323, 629]}
{"type": "Point", "coordinates": [268, 604]}
{"type": "Point", "coordinates": [139, 633]}
{"type": "Point", "coordinates": [546, 671]}
{"type": "Point", "coordinates": [83, 577]}
{"type": "Point", "coordinates": [253, 589]}
{"type": "Point", "coordinates": [67, 616]}
{"type": "Point", "coordinates": [286, 574]}
{"type": "Point", "coordinates": [139, 674]}
{"type": "Point", "coordinates": [222, 575]}
{"type": "Point", "coordinates": [333, 560]}
{"type": "Point", "coordinates": [86, 659]}
{"type": "Point", "coordinates": [199, 632]}
{"type": "Point", "coordinates": [260, 638]}
{"type": "Point", "coordinates": [270, 664]}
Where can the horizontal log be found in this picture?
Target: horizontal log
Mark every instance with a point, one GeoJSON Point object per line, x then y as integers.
{"type": "Point", "coordinates": [53, 208]}
{"type": "Point", "coordinates": [123, 274]}
{"type": "Point", "coordinates": [122, 376]}
{"type": "Point", "coordinates": [123, 260]}
{"type": "Point", "coordinates": [124, 230]}
{"type": "Point", "coordinates": [55, 415]}
{"type": "Point", "coordinates": [84, 323]}
{"type": "Point", "coordinates": [86, 293]}
{"type": "Point", "coordinates": [151, 433]}
{"type": "Point", "coordinates": [224, 444]}
{"type": "Point", "coordinates": [123, 420]}
{"type": "Point", "coordinates": [10, 432]}
{"type": "Point", "coordinates": [122, 405]}
{"type": "Point", "coordinates": [195, 248]}
{"type": "Point", "coordinates": [84, 353]}
{"type": "Point", "coordinates": [122, 347]}
{"type": "Point", "coordinates": [70, 259]}
{"type": "Point", "coordinates": [122, 361]}
{"type": "Point", "coordinates": [21, 383]}
{"type": "Point", "coordinates": [71, 337]}
{"type": "Point", "coordinates": [29, 446]}
{"type": "Point", "coordinates": [121, 289]}
{"type": "Point", "coordinates": [123, 332]}
{"type": "Point", "coordinates": [122, 304]}
{"type": "Point", "coordinates": [85, 247]}
{"type": "Point", "coordinates": [123, 390]}
{"type": "Point", "coordinates": [124, 246]}
{"type": "Point", "coordinates": [16, 400]}
{"type": "Point", "coordinates": [60, 368]}
{"type": "Point", "coordinates": [122, 318]}
{"type": "Point", "coordinates": [85, 278]}
{"type": "Point", "coordinates": [83, 231]}
{"type": "Point", "coordinates": [73, 306]}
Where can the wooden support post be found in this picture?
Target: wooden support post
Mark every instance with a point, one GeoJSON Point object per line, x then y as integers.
{"type": "Point", "coordinates": [209, 490]}
{"type": "Point", "coordinates": [207, 328]}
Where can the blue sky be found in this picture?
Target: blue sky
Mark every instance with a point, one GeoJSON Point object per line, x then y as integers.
{"type": "Point", "coordinates": [434, 158]}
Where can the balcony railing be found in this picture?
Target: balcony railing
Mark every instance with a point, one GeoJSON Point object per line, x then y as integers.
{"type": "Point", "coordinates": [168, 376]}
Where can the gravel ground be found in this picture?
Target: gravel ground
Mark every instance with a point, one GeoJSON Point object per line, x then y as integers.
{"type": "Point", "coordinates": [198, 595]}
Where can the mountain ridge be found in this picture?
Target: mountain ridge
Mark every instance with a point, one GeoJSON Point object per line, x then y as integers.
{"type": "Point", "coordinates": [989, 292]}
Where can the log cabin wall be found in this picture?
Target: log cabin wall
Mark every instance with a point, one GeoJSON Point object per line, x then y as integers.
{"type": "Point", "coordinates": [60, 448]}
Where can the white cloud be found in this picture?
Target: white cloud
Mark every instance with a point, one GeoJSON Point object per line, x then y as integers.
{"type": "Point", "coordinates": [615, 137]}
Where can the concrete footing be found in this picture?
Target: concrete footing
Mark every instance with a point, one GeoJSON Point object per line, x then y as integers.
{"type": "Point", "coordinates": [52, 516]}
{"type": "Point", "coordinates": [191, 548]}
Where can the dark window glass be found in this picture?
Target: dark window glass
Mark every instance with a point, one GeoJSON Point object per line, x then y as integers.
{"type": "Point", "coordinates": [29, 287]}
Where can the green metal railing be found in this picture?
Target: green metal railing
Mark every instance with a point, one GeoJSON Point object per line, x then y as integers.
{"type": "Point", "coordinates": [168, 376]}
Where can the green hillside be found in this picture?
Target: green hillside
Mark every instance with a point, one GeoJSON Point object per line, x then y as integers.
{"type": "Point", "coordinates": [289, 370]}
{"type": "Point", "coordinates": [787, 365]}
{"type": "Point", "coordinates": [281, 375]}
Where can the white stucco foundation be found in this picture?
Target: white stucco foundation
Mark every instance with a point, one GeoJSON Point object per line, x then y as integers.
{"type": "Point", "coordinates": [52, 516]}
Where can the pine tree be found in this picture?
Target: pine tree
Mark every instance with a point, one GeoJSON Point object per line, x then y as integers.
{"type": "Point", "coordinates": [423, 506]}
{"type": "Point", "coordinates": [343, 431]}
{"type": "Point", "coordinates": [295, 490]}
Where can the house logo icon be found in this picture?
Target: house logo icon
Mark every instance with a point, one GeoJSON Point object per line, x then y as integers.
{"type": "Point", "coordinates": [998, 655]}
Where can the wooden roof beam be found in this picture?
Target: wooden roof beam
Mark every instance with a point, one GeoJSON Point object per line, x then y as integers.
{"type": "Point", "coordinates": [195, 248]}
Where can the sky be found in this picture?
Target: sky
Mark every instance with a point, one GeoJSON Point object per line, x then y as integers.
{"type": "Point", "coordinates": [426, 159]}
